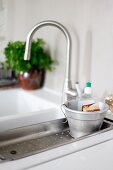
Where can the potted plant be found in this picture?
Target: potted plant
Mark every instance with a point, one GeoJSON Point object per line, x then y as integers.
{"type": "Point", "coordinates": [30, 73]}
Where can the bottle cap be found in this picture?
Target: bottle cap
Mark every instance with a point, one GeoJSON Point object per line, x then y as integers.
{"type": "Point", "coordinates": [88, 84]}
{"type": "Point", "coordinates": [88, 89]}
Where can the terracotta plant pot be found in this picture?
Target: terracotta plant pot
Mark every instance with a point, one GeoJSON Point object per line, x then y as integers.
{"type": "Point", "coordinates": [32, 80]}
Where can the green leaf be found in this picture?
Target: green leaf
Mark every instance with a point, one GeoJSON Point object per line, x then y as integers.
{"type": "Point", "coordinates": [40, 59]}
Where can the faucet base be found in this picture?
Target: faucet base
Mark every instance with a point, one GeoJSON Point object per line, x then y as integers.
{"type": "Point", "coordinates": [68, 92]}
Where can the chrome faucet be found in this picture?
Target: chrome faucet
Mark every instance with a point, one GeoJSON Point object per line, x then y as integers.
{"type": "Point", "coordinates": [68, 92]}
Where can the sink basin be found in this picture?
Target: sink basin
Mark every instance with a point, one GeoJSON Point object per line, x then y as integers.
{"type": "Point", "coordinates": [22, 108]}
{"type": "Point", "coordinates": [39, 138]}
{"type": "Point", "coordinates": [34, 121]}
{"type": "Point", "coordinates": [18, 101]}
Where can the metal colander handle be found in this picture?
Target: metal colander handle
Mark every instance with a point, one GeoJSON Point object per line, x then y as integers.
{"type": "Point", "coordinates": [64, 112]}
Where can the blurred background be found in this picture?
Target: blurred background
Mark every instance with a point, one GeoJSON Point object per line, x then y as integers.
{"type": "Point", "coordinates": [90, 23]}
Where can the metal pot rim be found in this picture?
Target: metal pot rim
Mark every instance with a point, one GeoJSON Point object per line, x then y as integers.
{"type": "Point", "coordinates": [85, 113]}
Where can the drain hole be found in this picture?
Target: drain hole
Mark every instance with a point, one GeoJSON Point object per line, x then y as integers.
{"type": "Point", "coordinates": [13, 152]}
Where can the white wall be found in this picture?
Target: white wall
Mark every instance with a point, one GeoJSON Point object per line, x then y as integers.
{"type": "Point", "coordinates": [3, 27]}
{"type": "Point", "coordinates": [90, 23]}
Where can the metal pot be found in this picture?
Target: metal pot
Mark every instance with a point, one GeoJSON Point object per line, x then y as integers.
{"type": "Point", "coordinates": [83, 123]}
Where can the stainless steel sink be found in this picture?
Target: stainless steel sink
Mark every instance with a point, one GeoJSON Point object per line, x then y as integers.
{"type": "Point", "coordinates": [25, 141]}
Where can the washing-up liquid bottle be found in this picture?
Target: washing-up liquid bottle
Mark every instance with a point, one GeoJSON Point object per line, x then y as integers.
{"type": "Point", "coordinates": [88, 90]}
{"type": "Point", "coordinates": [86, 98]}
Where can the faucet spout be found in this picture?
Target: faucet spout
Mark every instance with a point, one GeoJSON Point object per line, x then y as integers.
{"type": "Point", "coordinates": [67, 90]}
